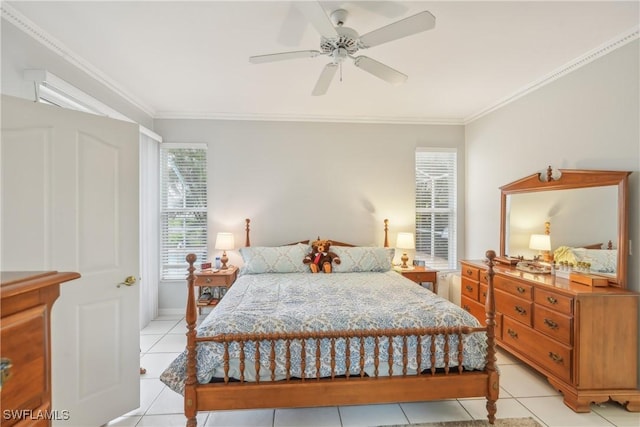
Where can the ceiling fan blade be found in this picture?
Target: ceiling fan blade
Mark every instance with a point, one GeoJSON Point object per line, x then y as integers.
{"type": "Point", "coordinates": [325, 78]}
{"type": "Point", "coordinates": [259, 59]}
{"type": "Point", "coordinates": [380, 70]}
{"type": "Point", "coordinates": [316, 15]}
{"type": "Point", "coordinates": [422, 21]}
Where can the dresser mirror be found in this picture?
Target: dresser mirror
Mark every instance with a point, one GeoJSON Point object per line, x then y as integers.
{"type": "Point", "coordinates": [583, 212]}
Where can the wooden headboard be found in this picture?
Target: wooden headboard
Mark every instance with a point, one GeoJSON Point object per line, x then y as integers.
{"type": "Point", "coordinates": [247, 240]}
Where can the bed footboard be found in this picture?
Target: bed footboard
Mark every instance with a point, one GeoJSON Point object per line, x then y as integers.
{"type": "Point", "coordinates": [397, 375]}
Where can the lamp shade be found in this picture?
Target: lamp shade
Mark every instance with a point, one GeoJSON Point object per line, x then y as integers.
{"type": "Point", "coordinates": [224, 241]}
{"type": "Point", "coordinates": [540, 242]}
{"type": "Point", "coordinates": [405, 241]}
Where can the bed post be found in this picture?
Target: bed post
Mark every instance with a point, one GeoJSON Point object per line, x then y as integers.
{"type": "Point", "coordinates": [190, 410]}
{"type": "Point", "coordinates": [386, 233]}
{"type": "Point", "coordinates": [493, 387]}
{"type": "Point", "coordinates": [247, 243]}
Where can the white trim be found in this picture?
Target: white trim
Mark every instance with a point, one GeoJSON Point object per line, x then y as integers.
{"type": "Point", "coordinates": [308, 118]}
{"type": "Point", "coordinates": [171, 312]}
{"type": "Point", "coordinates": [567, 68]}
{"type": "Point", "coordinates": [151, 134]}
{"type": "Point", "coordinates": [196, 145]}
{"type": "Point", "coordinates": [32, 29]}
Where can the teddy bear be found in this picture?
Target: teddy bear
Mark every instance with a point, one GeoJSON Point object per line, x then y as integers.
{"type": "Point", "coordinates": [321, 257]}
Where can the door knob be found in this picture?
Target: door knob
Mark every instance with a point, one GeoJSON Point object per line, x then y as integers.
{"type": "Point", "coordinates": [128, 281]}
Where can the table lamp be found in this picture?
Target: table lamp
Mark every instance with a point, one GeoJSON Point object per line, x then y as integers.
{"type": "Point", "coordinates": [405, 241]}
{"type": "Point", "coordinates": [542, 244]}
{"type": "Point", "coordinates": [224, 242]}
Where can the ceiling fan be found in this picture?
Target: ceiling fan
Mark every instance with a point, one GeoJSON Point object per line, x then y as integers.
{"type": "Point", "coordinates": [339, 42]}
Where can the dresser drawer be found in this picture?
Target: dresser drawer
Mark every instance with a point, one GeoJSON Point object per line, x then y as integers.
{"type": "Point", "coordinates": [478, 311]}
{"type": "Point", "coordinates": [514, 307]}
{"type": "Point", "coordinates": [519, 289]}
{"type": "Point", "coordinates": [484, 276]}
{"type": "Point", "coordinates": [470, 289]}
{"type": "Point", "coordinates": [551, 355]}
{"type": "Point", "coordinates": [554, 301]}
{"type": "Point", "coordinates": [24, 343]}
{"type": "Point", "coordinates": [553, 324]}
{"type": "Point", "coordinates": [469, 272]}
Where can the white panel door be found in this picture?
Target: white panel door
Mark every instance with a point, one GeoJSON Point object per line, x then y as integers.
{"type": "Point", "coordinates": [70, 203]}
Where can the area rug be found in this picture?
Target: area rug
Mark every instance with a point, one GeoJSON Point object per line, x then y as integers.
{"type": "Point", "coordinates": [504, 422]}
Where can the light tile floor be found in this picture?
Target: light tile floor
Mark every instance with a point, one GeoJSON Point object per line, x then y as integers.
{"type": "Point", "coordinates": [524, 393]}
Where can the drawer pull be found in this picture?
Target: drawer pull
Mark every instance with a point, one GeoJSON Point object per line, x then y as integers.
{"type": "Point", "coordinates": [520, 290]}
{"type": "Point", "coordinates": [552, 300]}
{"type": "Point", "coordinates": [469, 288]}
{"type": "Point", "coordinates": [484, 294]}
{"type": "Point", "coordinates": [513, 334]}
{"type": "Point", "coordinates": [555, 357]}
{"type": "Point", "coordinates": [466, 307]}
{"type": "Point", "coordinates": [551, 324]}
{"type": "Point", "coordinates": [208, 280]}
{"type": "Point", "coordinates": [521, 311]}
{"type": "Point", "coordinates": [5, 370]}
{"type": "Point", "coordinates": [469, 272]}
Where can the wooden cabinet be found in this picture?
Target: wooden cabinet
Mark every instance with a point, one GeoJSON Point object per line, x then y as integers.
{"type": "Point", "coordinates": [222, 280]}
{"type": "Point", "coordinates": [584, 339]}
{"type": "Point", "coordinates": [26, 302]}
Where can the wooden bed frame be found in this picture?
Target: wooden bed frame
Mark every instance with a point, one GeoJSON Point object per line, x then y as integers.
{"type": "Point", "coordinates": [339, 390]}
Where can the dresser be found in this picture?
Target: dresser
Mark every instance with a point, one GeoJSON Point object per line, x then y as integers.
{"type": "Point", "coordinates": [583, 339]}
{"type": "Point", "coordinates": [26, 300]}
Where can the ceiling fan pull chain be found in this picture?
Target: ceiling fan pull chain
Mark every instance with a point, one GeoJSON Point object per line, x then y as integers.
{"type": "Point", "coordinates": [341, 72]}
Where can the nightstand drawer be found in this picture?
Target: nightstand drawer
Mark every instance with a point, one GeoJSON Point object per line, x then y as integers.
{"type": "Point", "coordinates": [420, 277]}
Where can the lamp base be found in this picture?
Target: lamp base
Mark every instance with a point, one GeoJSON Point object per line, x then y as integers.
{"type": "Point", "coordinates": [224, 259]}
{"type": "Point", "coordinates": [404, 258]}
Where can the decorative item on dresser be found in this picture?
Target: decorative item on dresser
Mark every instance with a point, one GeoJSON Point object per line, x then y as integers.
{"type": "Point", "coordinates": [283, 337]}
{"type": "Point", "coordinates": [26, 301]}
{"type": "Point", "coordinates": [579, 330]}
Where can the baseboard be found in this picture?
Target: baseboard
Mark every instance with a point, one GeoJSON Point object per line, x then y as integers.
{"type": "Point", "coordinates": [171, 311]}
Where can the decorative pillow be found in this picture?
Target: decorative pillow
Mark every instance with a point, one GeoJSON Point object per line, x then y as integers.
{"type": "Point", "coordinates": [279, 259]}
{"type": "Point", "coordinates": [362, 258]}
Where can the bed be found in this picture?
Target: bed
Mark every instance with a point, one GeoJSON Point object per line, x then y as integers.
{"type": "Point", "coordinates": [284, 337]}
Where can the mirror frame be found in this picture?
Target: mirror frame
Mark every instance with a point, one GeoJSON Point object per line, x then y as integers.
{"type": "Point", "coordinates": [569, 179]}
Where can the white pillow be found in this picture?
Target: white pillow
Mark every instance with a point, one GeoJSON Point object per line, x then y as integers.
{"type": "Point", "coordinates": [278, 259]}
{"type": "Point", "coordinates": [362, 258]}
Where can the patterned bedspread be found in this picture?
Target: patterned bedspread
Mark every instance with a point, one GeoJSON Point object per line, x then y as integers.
{"type": "Point", "coordinates": [319, 302]}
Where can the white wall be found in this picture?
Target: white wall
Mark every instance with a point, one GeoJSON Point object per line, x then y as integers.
{"type": "Point", "coordinates": [589, 119]}
{"type": "Point", "coordinates": [298, 180]}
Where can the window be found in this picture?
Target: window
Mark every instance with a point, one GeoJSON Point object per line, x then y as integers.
{"type": "Point", "coordinates": [436, 212]}
{"type": "Point", "coordinates": [183, 186]}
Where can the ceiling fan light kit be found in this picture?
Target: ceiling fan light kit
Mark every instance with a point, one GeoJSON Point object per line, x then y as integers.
{"type": "Point", "coordinates": [339, 42]}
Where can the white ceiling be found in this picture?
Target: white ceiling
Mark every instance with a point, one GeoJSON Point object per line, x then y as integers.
{"type": "Point", "coordinates": [190, 59]}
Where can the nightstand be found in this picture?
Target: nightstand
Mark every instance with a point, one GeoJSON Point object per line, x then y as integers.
{"type": "Point", "coordinates": [217, 284]}
{"type": "Point", "coordinates": [420, 275]}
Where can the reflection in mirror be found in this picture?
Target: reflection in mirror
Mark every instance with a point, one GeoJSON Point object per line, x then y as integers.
{"type": "Point", "coordinates": [585, 209]}
{"type": "Point", "coordinates": [575, 222]}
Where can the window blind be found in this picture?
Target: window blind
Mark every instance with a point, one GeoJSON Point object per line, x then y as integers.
{"type": "Point", "coordinates": [183, 211]}
{"type": "Point", "coordinates": [436, 207]}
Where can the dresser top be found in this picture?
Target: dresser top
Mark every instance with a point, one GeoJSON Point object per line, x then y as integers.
{"type": "Point", "coordinates": [17, 282]}
{"type": "Point", "coordinates": [550, 280]}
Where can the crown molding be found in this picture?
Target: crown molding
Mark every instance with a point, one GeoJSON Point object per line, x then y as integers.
{"type": "Point", "coordinates": [179, 115]}
{"type": "Point", "coordinates": [13, 16]}
{"type": "Point", "coordinates": [10, 14]}
{"type": "Point", "coordinates": [579, 62]}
